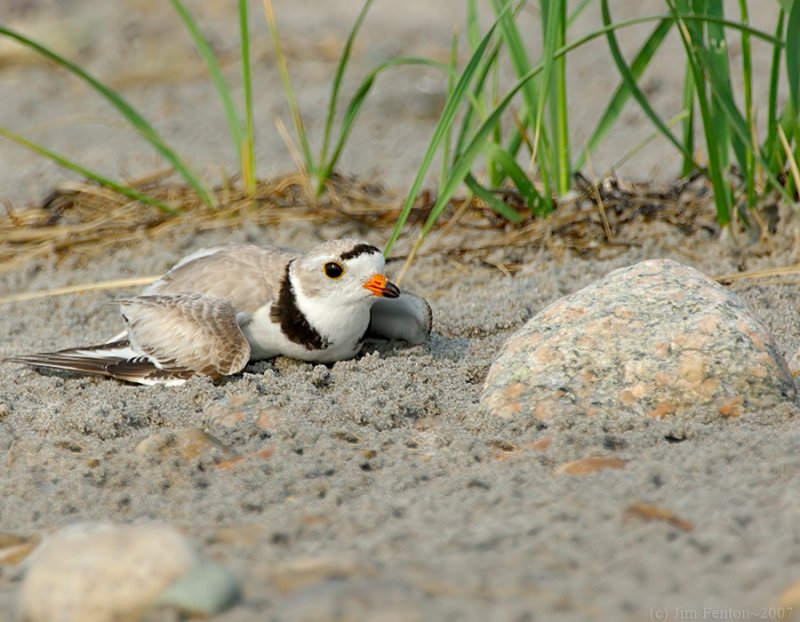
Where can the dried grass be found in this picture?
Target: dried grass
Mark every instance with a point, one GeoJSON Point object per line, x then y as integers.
{"type": "Point", "coordinates": [86, 219]}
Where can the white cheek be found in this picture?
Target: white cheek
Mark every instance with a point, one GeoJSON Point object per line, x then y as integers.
{"type": "Point", "coordinates": [348, 290]}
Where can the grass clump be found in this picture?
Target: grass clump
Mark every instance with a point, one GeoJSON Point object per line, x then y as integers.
{"type": "Point", "coordinates": [740, 168]}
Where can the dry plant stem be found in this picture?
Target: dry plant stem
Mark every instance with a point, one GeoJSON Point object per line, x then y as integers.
{"type": "Point", "coordinates": [287, 85]}
{"type": "Point", "coordinates": [759, 274]}
{"type": "Point", "coordinates": [294, 153]}
{"type": "Point", "coordinates": [450, 224]}
{"type": "Point", "coordinates": [789, 157]}
{"type": "Point", "coordinates": [598, 198]}
{"type": "Point", "coordinates": [407, 264]}
{"type": "Point", "coordinates": [79, 289]}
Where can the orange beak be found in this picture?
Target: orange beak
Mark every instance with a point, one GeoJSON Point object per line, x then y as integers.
{"type": "Point", "coordinates": [381, 286]}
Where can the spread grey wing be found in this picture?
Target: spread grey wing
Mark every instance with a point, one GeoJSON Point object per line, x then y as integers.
{"type": "Point", "coordinates": [187, 332]}
{"type": "Point", "coordinates": [407, 317]}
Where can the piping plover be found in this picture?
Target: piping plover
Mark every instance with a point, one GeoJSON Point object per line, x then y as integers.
{"type": "Point", "coordinates": [219, 308]}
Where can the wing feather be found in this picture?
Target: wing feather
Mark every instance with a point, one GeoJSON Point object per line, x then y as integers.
{"type": "Point", "coordinates": [115, 360]}
{"type": "Point", "coordinates": [187, 331]}
{"type": "Point", "coordinates": [247, 275]}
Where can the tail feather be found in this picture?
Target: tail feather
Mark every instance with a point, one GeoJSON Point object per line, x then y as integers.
{"type": "Point", "coordinates": [114, 359]}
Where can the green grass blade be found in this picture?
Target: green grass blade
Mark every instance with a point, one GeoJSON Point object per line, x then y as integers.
{"type": "Point", "coordinates": [482, 97]}
{"type": "Point", "coordinates": [745, 157]}
{"type": "Point", "coordinates": [474, 96]}
{"type": "Point", "coordinates": [452, 104]}
{"type": "Point", "coordinates": [495, 172]}
{"type": "Point", "coordinates": [297, 118]}
{"type": "Point", "coordinates": [516, 49]}
{"type": "Point", "coordinates": [715, 56]}
{"type": "Point", "coordinates": [357, 102]}
{"type": "Point", "coordinates": [577, 11]}
{"type": "Point", "coordinates": [534, 97]}
{"type": "Point", "coordinates": [531, 101]}
{"type": "Point", "coordinates": [473, 25]}
{"type": "Point", "coordinates": [66, 163]}
{"type": "Point", "coordinates": [647, 140]}
{"type": "Point", "coordinates": [559, 113]}
{"type": "Point", "coordinates": [692, 18]}
{"type": "Point", "coordinates": [491, 200]}
{"type": "Point", "coordinates": [771, 146]}
{"type": "Point", "coordinates": [689, 94]}
{"type": "Point", "coordinates": [451, 81]}
{"type": "Point", "coordinates": [215, 71]}
{"type": "Point", "coordinates": [793, 74]}
{"type": "Point", "coordinates": [792, 39]}
{"type": "Point", "coordinates": [247, 155]}
{"type": "Point", "coordinates": [630, 82]}
{"type": "Point", "coordinates": [125, 109]}
{"type": "Point", "coordinates": [622, 94]}
{"type": "Point", "coordinates": [520, 135]}
{"type": "Point", "coordinates": [689, 37]}
{"type": "Point", "coordinates": [337, 79]}
{"type": "Point", "coordinates": [541, 140]}
{"type": "Point", "coordinates": [461, 167]}
{"type": "Point", "coordinates": [535, 202]}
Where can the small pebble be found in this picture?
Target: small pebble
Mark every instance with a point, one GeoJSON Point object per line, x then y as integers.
{"type": "Point", "coordinates": [206, 589]}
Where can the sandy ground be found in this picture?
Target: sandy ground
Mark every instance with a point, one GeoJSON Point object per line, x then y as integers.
{"type": "Point", "coordinates": [382, 470]}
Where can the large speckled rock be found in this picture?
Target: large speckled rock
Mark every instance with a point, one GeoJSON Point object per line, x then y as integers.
{"type": "Point", "coordinates": [657, 339]}
{"type": "Point", "coordinates": [94, 572]}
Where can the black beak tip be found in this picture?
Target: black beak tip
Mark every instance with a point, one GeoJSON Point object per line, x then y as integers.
{"type": "Point", "coordinates": [391, 290]}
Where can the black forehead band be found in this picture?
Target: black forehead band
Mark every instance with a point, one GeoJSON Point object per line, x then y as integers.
{"type": "Point", "coordinates": [358, 249]}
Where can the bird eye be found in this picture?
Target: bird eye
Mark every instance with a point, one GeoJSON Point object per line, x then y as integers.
{"type": "Point", "coordinates": [333, 270]}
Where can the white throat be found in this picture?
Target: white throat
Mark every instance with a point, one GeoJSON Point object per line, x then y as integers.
{"type": "Point", "coordinates": [340, 324]}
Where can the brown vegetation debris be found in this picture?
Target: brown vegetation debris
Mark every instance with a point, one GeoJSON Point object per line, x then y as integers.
{"type": "Point", "coordinates": [649, 512]}
{"type": "Point", "coordinates": [584, 466]}
{"type": "Point", "coordinates": [85, 218]}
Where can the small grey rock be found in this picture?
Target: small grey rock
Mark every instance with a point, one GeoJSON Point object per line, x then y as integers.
{"type": "Point", "coordinates": [206, 589]}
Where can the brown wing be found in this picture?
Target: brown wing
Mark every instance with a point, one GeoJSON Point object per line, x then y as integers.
{"type": "Point", "coordinates": [248, 276]}
{"type": "Point", "coordinates": [187, 332]}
